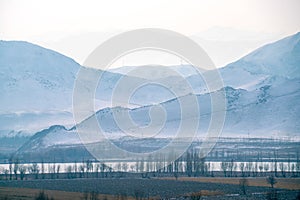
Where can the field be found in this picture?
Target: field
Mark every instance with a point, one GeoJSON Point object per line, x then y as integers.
{"type": "Point", "coordinates": [27, 193]}
{"type": "Point", "coordinates": [282, 183]}
{"type": "Point", "coordinates": [138, 188]}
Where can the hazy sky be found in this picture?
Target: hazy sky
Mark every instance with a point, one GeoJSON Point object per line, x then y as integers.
{"type": "Point", "coordinates": [52, 20]}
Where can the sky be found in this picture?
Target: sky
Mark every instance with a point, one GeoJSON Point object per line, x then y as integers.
{"type": "Point", "coordinates": [74, 28]}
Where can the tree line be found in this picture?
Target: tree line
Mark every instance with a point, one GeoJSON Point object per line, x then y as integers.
{"type": "Point", "coordinates": [189, 164]}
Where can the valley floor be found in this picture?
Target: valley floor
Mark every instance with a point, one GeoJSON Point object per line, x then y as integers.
{"type": "Point", "coordinates": [145, 188]}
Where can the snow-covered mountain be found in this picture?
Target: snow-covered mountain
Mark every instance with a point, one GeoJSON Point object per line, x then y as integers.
{"type": "Point", "coordinates": [54, 135]}
{"type": "Point", "coordinates": [259, 113]}
{"type": "Point", "coordinates": [34, 78]}
{"type": "Point", "coordinates": [280, 58]}
{"type": "Point", "coordinates": [36, 87]}
{"type": "Point", "coordinates": [269, 110]}
{"type": "Point", "coordinates": [270, 64]}
{"type": "Point", "coordinates": [262, 91]}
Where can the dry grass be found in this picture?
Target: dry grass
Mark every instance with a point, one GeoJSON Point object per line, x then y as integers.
{"type": "Point", "coordinates": [211, 193]}
{"type": "Point", "coordinates": [282, 183]}
{"type": "Point", "coordinates": [205, 193]}
{"type": "Point", "coordinates": [27, 193]}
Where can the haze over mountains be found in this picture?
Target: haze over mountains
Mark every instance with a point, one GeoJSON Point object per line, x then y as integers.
{"type": "Point", "coordinates": [223, 44]}
{"type": "Point", "coordinates": [262, 92]}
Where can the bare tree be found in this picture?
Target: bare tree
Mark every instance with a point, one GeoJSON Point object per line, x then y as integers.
{"type": "Point", "coordinates": [298, 164]}
{"type": "Point", "coordinates": [119, 167]}
{"type": "Point", "coordinates": [293, 169]}
{"type": "Point", "coordinates": [271, 180]}
{"type": "Point", "coordinates": [289, 164]}
{"type": "Point", "coordinates": [51, 170]}
{"type": "Point", "coordinates": [255, 169]}
{"type": "Point", "coordinates": [224, 167]}
{"type": "Point", "coordinates": [231, 167]}
{"type": "Point", "coordinates": [189, 164]}
{"type": "Point", "coordinates": [142, 165]}
{"type": "Point", "coordinates": [248, 168]}
{"type": "Point", "coordinates": [69, 171]}
{"type": "Point", "coordinates": [176, 175]}
{"type": "Point", "coordinates": [97, 169]}
{"type": "Point", "coordinates": [34, 169]}
{"type": "Point", "coordinates": [275, 163]}
{"type": "Point", "coordinates": [261, 168]}
{"type": "Point", "coordinates": [110, 170]}
{"type": "Point", "coordinates": [203, 166]}
{"type": "Point", "coordinates": [242, 167]}
{"type": "Point", "coordinates": [43, 170]}
{"type": "Point", "coordinates": [137, 166]}
{"type": "Point", "coordinates": [148, 164]}
{"type": "Point", "coordinates": [75, 169]}
{"type": "Point", "coordinates": [243, 183]}
{"type": "Point", "coordinates": [57, 171]}
{"type": "Point", "coordinates": [282, 169]}
{"type": "Point", "coordinates": [125, 166]}
{"type": "Point", "coordinates": [6, 172]}
{"type": "Point", "coordinates": [89, 167]}
{"type": "Point", "coordinates": [81, 170]}
{"type": "Point", "coordinates": [102, 169]}
{"type": "Point", "coordinates": [196, 163]}
{"type": "Point", "coordinates": [266, 168]}
{"type": "Point", "coordinates": [16, 168]}
{"type": "Point", "coordinates": [132, 168]}
{"type": "Point", "coordinates": [10, 161]}
{"type": "Point", "coordinates": [176, 165]}
{"type": "Point", "coordinates": [22, 170]}
{"type": "Point", "coordinates": [2, 170]}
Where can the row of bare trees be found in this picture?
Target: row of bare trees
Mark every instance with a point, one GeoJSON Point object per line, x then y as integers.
{"type": "Point", "coordinates": [259, 168]}
{"type": "Point", "coordinates": [189, 164]}
{"type": "Point", "coordinates": [17, 170]}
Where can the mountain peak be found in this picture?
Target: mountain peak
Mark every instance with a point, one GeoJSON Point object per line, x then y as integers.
{"type": "Point", "coordinates": [29, 72]}
{"type": "Point", "coordinates": [281, 58]}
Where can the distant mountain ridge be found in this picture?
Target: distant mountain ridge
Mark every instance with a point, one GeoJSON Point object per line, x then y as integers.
{"type": "Point", "coordinates": [262, 91]}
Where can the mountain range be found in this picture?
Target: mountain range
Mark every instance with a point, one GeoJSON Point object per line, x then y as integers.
{"type": "Point", "coordinates": [262, 93]}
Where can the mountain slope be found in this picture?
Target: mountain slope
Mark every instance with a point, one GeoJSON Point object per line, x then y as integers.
{"type": "Point", "coordinates": [262, 99]}
{"type": "Point", "coordinates": [281, 58]}
{"type": "Point", "coordinates": [34, 78]}
{"type": "Point", "coordinates": [278, 117]}
{"type": "Point", "coordinates": [278, 60]}
{"type": "Point", "coordinates": [36, 87]}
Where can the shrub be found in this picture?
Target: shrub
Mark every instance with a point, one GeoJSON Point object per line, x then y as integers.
{"type": "Point", "coordinates": [43, 196]}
